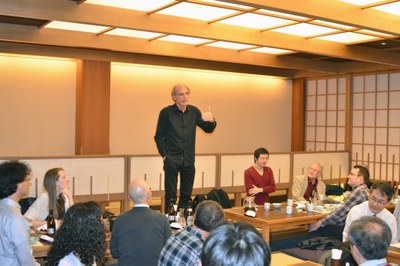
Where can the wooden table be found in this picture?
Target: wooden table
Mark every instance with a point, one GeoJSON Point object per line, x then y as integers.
{"type": "Point", "coordinates": [279, 258]}
{"type": "Point", "coordinates": [273, 218]}
{"type": "Point", "coordinates": [393, 254]}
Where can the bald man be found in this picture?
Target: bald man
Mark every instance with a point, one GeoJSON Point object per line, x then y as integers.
{"type": "Point", "coordinates": [304, 185]}
{"type": "Point", "coordinates": [139, 234]}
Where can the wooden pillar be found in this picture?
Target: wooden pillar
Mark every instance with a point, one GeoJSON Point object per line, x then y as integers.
{"type": "Point", "coordinates": [298, 115]}
{"type": "Point", "coordinates": [92, 131]}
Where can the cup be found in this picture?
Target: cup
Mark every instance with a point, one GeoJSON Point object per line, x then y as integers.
{"type": "Point", "coordinates": [267, 206]}
{"type": "Point", "coordinates": [289, 209]}
{"type": "Point", "coordinates": [290, 202]}
{"type": "Point", "coordinates": [310, 207]}
{"type": "Point", "coordinates": [321, 197]}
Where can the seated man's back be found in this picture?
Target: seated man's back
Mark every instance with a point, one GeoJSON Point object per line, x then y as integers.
{"type": "Point", "coordinates": [138, 235]}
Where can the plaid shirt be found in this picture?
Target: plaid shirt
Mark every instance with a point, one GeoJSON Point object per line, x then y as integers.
{"type": "Point", "coordinates": [358, 195]}
{"type": "Point", "coordinates": [182, 248]}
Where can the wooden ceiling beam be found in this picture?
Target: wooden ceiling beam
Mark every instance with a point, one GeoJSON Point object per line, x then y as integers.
{"type": "Point", "coordinates": [332, 11]}
{"type": "Point", "coordinates": [116, 17]}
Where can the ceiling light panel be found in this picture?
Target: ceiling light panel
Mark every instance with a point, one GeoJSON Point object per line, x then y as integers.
{"type": "Point", "coordinates": [376, 33]}
{"type": "Point", "coordinates": [195, 11]}
{"type": "Point", "coordinates": [305, 30]}
{"type": "Point", "coordinates": [134, 33]}
{"type": "Point", "coordinates": [393, 8]}
{"type": "Point", "coordinates": [228, 4]}
{"type": "Point", "coordinates": [333, 25]}
{"type": "Point", "coordinates": [75, 26]}
{"type": "Point", "coordinates": [256, 21]}
{"type": "Point", "coordinates": [348, 37]}
{"type": "Point", "coordinates": [183, 39]}
{"type": "Point", "coordinates": [280, 14]}
{"type": "Point", "coordinates": [140, 5]}
{"type": "Point", "coordinates": [361, 2]}
{"type": "Point", "coordinates": [230, 45]}
{"type": "Point", "coordinates": [268, 50]}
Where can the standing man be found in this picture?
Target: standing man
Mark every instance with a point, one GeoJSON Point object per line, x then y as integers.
{"type": "Point", "coordinates": [304, 185]}
{"type": "Point", "coordinates": [379, 197]}
{"type": "Point", "coordinates": [176, 140]}
{"type": "Point", "coordinates": [139, 234]}
{"type": "Point", "coordinates": [332, 225]}
{"type": "Point", "coordinates": [14, 229]}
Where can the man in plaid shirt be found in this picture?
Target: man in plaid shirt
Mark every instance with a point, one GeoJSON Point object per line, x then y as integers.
{"type": "Point", "coordinates": [333, 224]}
{"type": "Point", "coordinates": [184, 247]}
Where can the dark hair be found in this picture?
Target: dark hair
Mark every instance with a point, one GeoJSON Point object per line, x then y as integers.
{"type": "Point", "coordinates": [384, 188]}
{"type": "Point", "coordinates": [11, 174]}
{"type": "Point", "coordinates": [363, 171]}
{"type": "Point", "coordinates": [258, 152]}
{"type": "Point", "coordinates": [371, 236]}
{"type": "Point", "coordinates": [83, 233]}
{"type": "Point", "coordinates": [233, 244]}
{"type": "Point", "coordinates": [209, 214]}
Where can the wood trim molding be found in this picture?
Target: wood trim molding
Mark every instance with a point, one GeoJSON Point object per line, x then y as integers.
{"type": "Point", "coordinates": [92, 107]}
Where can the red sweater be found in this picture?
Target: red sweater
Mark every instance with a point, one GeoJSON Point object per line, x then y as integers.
{"type": "Point", "coordinates": [265, 181]}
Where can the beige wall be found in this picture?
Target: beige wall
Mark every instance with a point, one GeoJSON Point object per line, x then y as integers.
{"type": "Point", "coordinates": [251, 111]}
{"type": "Point", "coordinates": [37, 107]}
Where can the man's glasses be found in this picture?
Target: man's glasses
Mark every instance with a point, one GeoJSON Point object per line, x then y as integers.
{"type": "Point", "coordinates": [380, 202]}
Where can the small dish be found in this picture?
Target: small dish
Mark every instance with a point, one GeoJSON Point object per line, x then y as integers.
{"type": "Point", "coordinates": [276, 205]}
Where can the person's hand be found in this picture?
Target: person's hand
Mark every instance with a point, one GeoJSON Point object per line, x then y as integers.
{"type": "Point", "coordinates": [207, 116]}
{"type": "Point", "coordinates": [255, 190]}
{"type": "Point", "coordinates": [313, 227]}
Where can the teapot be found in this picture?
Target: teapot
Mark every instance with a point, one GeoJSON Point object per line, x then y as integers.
{"type": "Point", "coordinates": [249, 204]}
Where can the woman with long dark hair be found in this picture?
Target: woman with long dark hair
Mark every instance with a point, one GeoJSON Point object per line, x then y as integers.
{"type": "Point", "coordinates": [81, 239]}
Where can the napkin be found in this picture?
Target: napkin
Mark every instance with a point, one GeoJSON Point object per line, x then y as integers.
{"type": "Point", "coordinates": [336, 254]}
{"type": "Point", "coordinates": [250, 213]}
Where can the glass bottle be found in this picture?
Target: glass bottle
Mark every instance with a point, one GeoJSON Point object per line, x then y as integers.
{"type": "Point", "coordinates": [171, 211]}
{"type": "Point", "coordinates": [190, 217]}
{"type": "Point", "coordinates": [51, 224]}
{"type": "Point", "coordinates": [181, 217]}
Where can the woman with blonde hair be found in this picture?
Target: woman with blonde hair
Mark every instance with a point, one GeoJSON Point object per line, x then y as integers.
{"type": "Point", "coordinates": [56, 196]}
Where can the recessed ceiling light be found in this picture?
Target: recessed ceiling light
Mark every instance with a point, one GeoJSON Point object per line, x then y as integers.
{"type": "Point", "coordinates": [140, 5]}
{"type": "Point", "coordinates": [348, 37]}
{"type": "Point", "coordinates": [255, 21]}
{"type": "Point", "coordinates": [183, 39]}
{"type": "Point", "coordinates": [305, 30]}
{"type": "Point", "coordinates": [230, 45]}
{"type": "Point", "coordinates": [196, 11]}
{"type": "Point", "coordinates": [269, 50]}
{"type": "Point", "coordinates": [61, 25]}
{"type": "Point", "coordinates": [134, 33]}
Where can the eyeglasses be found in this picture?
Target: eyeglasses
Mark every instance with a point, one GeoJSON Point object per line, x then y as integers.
{"type": "Point", "coordinates": [380, 202]}
{"type": "Point", "coordinates": [353, 174]}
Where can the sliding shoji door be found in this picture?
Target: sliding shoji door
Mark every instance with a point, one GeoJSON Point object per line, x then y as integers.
{"type": "Point", "coordinates": [376, 124]}
{"type": "Point", "coordinates": [325, 114]}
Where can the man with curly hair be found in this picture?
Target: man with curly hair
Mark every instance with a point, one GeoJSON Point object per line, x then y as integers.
{"type": "Point", "coordinates": [14, 229]}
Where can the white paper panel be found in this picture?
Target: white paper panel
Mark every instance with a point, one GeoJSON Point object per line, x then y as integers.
{"type": "Point", "coordinates": [205, 171]}
{"type": "Point", "coordinates": [41, 166]}
{"type": "Point", "coordinates": [232, 169]}
{"type": "Point", "coordinates": [150, 169]}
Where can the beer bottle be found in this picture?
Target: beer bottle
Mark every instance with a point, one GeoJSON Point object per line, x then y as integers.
{"type": "Point", "coordinates": [171, 211]}
{"type": "Point", "coordinates": [190, 217]}
{"type": "Point", "coordinates": [51, 224]}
